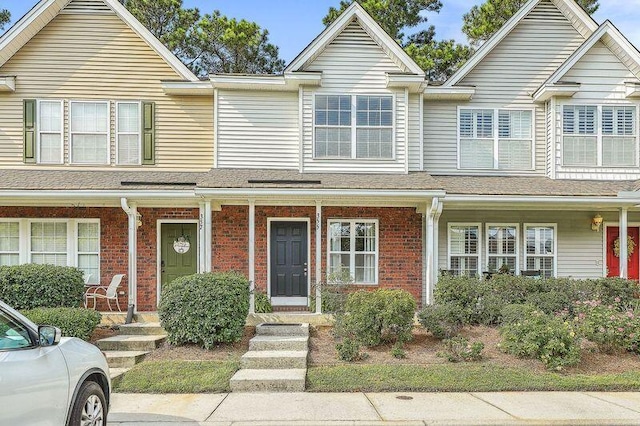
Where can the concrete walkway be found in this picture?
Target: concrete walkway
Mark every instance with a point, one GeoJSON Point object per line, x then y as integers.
{"type": "Point", "coordinates": [338, 409]}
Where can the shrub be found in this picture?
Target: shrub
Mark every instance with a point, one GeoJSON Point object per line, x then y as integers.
{"type": "Point", "coordinates": [398, 351]}
{"type": "Point", "coordinates": [549, 302]}
{"type": "Point", "coordinates": [73, 322]}
{"type": "Point", "coordinates": [374, 317]}
{"type": "Point", "coordinates": [443, 321]}
{"type": "Point", "coordinates": [349, 350]}
{"type": "Point", "coordinates": [41, 286]}
{"type": "Point", "coordinates": [516, 312]}
{"type": "Point", "coordinates": [544, 337]}
{"type": "Point", "coordinates": [612, 330]}
{"type": "Point", "coordinates": [463, 291]}
{"type": "Point", "coordinates": [262, 303]}
{"type": "Point", "coordinates": [334, 293]}
{"type": "Point", "coordinates": [460, 349]}
{"type": "Point", "coordinates": [205, 309]}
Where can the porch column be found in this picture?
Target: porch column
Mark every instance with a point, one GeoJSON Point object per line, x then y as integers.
{"type": "Point", "coordinates": [432, 214]}
{"type": "Point", "coordinates": [318, 256]}
{"type": "Point", "coordinates": [436, 244]}
{"type": "Point", "coordinates": [252, 255]}
{"type": "Point", "coordinates": [132, 265]}
{"type": "Point", "coordinates": [204, 237]}
{"type": "Point", "coordinates": [624, 269]}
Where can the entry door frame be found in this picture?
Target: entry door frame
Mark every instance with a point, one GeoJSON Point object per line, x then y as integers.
{"type": "Point", "coordinates": [289, 301]}
{"type": "Point", "coordinates": [159, 223]}
{"type": "Point", "coordinates": [606, 225]}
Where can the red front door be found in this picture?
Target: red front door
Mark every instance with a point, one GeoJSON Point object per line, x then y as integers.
{"type": "Point", "coordinates": [613, 261]}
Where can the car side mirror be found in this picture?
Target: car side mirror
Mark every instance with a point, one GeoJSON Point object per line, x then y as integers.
{"type": "Point", "coordinates": [49, 335]}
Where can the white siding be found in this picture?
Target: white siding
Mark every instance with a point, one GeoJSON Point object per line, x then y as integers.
{"type": "Point", "coordinates": [258, 130]}
{"type": "Point", "coordinates": [353, 63]}
{"type": "Point", "coordinates": [602, 78]}
{"type": "Point", "coordinates": [414, 133]}
{"type": "Point", "coordinates": [506, 78]}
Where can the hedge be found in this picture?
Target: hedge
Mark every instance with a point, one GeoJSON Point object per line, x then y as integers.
{"type": "Point", "coordinates": [73, 322]}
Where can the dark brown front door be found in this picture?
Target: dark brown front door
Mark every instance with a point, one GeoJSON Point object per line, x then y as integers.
{"type": "Point", "coordinates": [288, 259]}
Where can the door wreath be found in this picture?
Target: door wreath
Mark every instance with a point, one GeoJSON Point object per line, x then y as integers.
{"type": "Point", "coordinates": [631, 246]}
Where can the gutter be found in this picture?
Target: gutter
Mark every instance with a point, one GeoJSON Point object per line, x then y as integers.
{"type": "Point", "coordinates": [311, 192]}
{"type": "Point", "coordinates": [576, 199]}
{"type": "Point", "coordinates": [81, 193]}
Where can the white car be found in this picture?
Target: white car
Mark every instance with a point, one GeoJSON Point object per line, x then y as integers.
{"type": "Point", "coordinates": [49, 380]}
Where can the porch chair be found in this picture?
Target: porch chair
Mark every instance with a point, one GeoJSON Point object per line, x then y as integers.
{"type": "Point", "coordinates": [109, 292]}
{"type": "Point", "coordinates": [534, 273]}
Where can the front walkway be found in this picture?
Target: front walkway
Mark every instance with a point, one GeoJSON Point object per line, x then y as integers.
{"type": "Point", "coordinates": [507, 408]}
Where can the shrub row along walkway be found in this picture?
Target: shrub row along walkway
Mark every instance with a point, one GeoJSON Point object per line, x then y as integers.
{"type": "Point", "coordinates": [511, 408]}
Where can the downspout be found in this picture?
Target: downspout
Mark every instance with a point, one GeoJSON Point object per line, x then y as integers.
{"type": "Point", "coordinates": [132, 269]}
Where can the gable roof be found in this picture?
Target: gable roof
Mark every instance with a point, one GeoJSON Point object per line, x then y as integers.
{"type": "Point", "coordinates": [375, 31]}
{"type": "Point", "coordinates": [46, 10]}
{"type": "Point", "coordinates": [565, 6]}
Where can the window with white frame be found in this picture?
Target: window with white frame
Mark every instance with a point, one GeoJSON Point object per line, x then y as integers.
{"type": "Point", "coordinates": [502, 247]}
{"type": "Point", "coordinates": [128, 129]}
{"type": "Point", "coordinates": [540, 253]}
{"type": "Point", "coordinates": [505, 143]}
{"type": "Point", "coordinates": [50, 132]}
{"type": "Point", "coordinates": [88, 254]}
{"type": "Point", "coordinates": [9, 243]}
{"type": "Point", "coordinates": [464, 249]}
{"type": "Point", "coordinates": [48, 243]}
{"type": "Point", "coordinates": [353, 249]}
{"type": "Point", "coordinates": [353, 127]}
{"type": "Point", "coordinates": [599, 136]}
{"type": "Point", "coordinates": [89, 132]}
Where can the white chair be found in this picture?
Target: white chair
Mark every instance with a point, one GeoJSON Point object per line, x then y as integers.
{"type": "Point", "coordinates": [109, 292]}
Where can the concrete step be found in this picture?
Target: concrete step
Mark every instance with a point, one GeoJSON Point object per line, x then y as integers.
{"type": "Point", "coordinates": [142, 317]}
{"type": "Point", "coordinates": [124, 359]}
{"type": "Point", "coordinates": [142, 329]}
{"type": "Point", "coordinates": [259, 380]}
{"type": "Point", "coordinates": [279, 343]}
{"type": "Point", "coordinates": [131, 343]}
{"type": "Point", "coordinates": [116, 373]}
{"type": "Point", "coordinates": [273, 329]}
{"type": "Point", "coordinates": [274, 360]}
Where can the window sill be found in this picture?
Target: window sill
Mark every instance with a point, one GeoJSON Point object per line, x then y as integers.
{"type": "Point", "coordinates": [354, 160]}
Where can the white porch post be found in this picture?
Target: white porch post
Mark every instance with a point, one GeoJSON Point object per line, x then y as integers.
{"type": "Point", "coordinates": [432, 214]}
{"type": "Point", "coordinates": [436, 245]}
{"type": "Point", "coordinates": [204, 237]}
{"type": "Point", "coordinates": [318, 273]}
{"type": "Point", "coordinates": [132, 268]}
{"type": "Point", "coordinates": [252, 255]}
{"type": "Point", "coordinates": [624, 269]}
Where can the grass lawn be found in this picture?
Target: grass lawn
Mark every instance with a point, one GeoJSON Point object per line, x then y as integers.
{"type": "Point", "coordinates": [463, 377]}
{"type": "Point", "coordinates": [178, 376]}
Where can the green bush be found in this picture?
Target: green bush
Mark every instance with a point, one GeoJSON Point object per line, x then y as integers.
{"type": "Point", "coordinates": [374, 317]}
{"type": "Point", "coordinates": [73, 322]}
{"type": "Point", "coordinates": [334, 293]}
{"type": "Point", "coordinates": [460, 349]}
{"type": "Point", "coordinates": [349, 350]}
{"type": "Point", "coordinates": [550, 302]}
{"type": "Point", "coordinates": [611, 329]}
{"type": "Point", "coordinates": [443, 321]}
{"type": "Point", "coordinates": [398, 351]}
{"type": "Point", "coordinates": [547, 338]}
{"type": "Point", "coordinates": [262, 303]}
{"type": "Point", "coordinates": [516, 312]}
{"type": "Point", "coordinates": [41, 286]}
{"type": "Point", "coordinates": [205, 309]}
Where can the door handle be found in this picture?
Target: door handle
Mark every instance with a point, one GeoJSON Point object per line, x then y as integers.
{"type": "Point", "coordinates": [162, 266]}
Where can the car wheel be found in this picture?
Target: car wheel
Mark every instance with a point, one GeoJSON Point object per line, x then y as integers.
{"type": "Point", "coordinates": [89, 408]}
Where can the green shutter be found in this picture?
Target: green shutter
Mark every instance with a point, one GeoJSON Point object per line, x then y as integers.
{"type": "Point", "coordinates": [148, 133]}
{"type": "Point", "coordinates": [29, 131]}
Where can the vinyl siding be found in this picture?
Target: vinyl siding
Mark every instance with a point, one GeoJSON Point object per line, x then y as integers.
{"type": "Point", "coordinates": [353, 63]}
{"type": "Point", "coordinates": [602, 78]}
{"type": "Point", "coordinates": [258, 130]}
{"type": "Point", "coordinates": [506, 78]}
{"type": "Point", "coordinates": [581, 252]}
{"type": "Point", "coordinates": [414, 135]}
{"type": "Point", "coordinates": [98, 57]}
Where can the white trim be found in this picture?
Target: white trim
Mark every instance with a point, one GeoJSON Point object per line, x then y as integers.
{"type": "Point", "coordinates": [318, 257]}
{"type": "Point", "coordinates": [252, 255]}
{"type": "Point", "coordinates": [289, 301]}
{"type": "Point", "coordinates": [7, 83]}
{"type": "Point", "coordinates": [287, 82]}
{"type": "Point", "coordinates": [62, 132]}
{"type": "Point", "coordinates": [554, 226]}
{"type": "Point", "coordinates": [516, 255]}
{"type": "Point", "coordinates": [479, 250]}
{"type": "Point", "coordinates": [460, 93]}
{"type": "Point", "coordinates": [421, 127]}
{"type": "Point", "coordinates": [335, 28]}
{"type": "Point", "coordinates": [352, 251]}
{"type": "Point", "coordinates": [216, 145]}
{"type": "Point", "coordinates": [107, 133]}
{"type": "Point", "coordinates": [301, 129]}
{"type": "Point", "coordinates": [159, 223]}
{"type": "Point", "coordinates": [118, 133]}
{"type": "Point", "coordinates": [406, 132]}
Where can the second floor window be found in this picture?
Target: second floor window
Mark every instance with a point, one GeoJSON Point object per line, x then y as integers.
{"type": "Point", "coordinates": [89, 135]}
{"type": "Point", "coordinates": [495, 139]}
{"type": "Point", "coordinates": [599, 136]}
{"type": "Point", "coordinates": [353, 127]}
{"type": "Point", "coordinates": [128, 132]}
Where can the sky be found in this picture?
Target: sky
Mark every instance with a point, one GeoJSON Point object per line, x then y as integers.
{"type": "Point", "coordinates": [293, 24]}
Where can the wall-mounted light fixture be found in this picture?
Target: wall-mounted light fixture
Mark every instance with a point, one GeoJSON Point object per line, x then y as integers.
{"type": "Point", "coordinates": [138, 220]}
{"type": "Point", "coordinates": [596, 223]}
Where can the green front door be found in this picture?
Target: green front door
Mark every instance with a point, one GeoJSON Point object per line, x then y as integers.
{"type": "Point", "coordinates": [174, 264]}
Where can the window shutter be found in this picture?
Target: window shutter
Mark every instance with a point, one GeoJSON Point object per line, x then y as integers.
{"type": "Point", "coordinates": [29, 131]}
{"type": "Point", "coordinates": [148, 133]}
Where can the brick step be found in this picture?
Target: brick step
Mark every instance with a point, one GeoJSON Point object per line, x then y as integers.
{"type": "Point", "coordinates": [274, 360]}
{"type": "Point", "coordinates": [279, 343]}
{"type": "Point", "coordinates": [142, 329]}
{"type": "Point", "coordinates": [272, 329]}
{"type": "Point", "coordinates": [131, 343]}
{"type": "Point", "coordinates": [124, 359]}
{"type": "Point", "coordinates": [266, 380]}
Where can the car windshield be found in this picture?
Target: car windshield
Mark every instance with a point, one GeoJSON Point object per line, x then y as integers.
{"type": "Point", "coordinates": [13, 335]}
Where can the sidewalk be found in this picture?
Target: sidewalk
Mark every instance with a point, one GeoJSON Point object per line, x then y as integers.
{"type": "Point", "coordinates": [507, 408]}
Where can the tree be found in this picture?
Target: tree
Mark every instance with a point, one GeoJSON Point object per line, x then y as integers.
{"type": "Point", "coordinates": [482, 21]}
{"type": "Point", "coordinates": [5, 17]}
{"type": "Point", "coordinates": [439, 59]}
{"type": "Point", "coordinates": [211, 43]}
